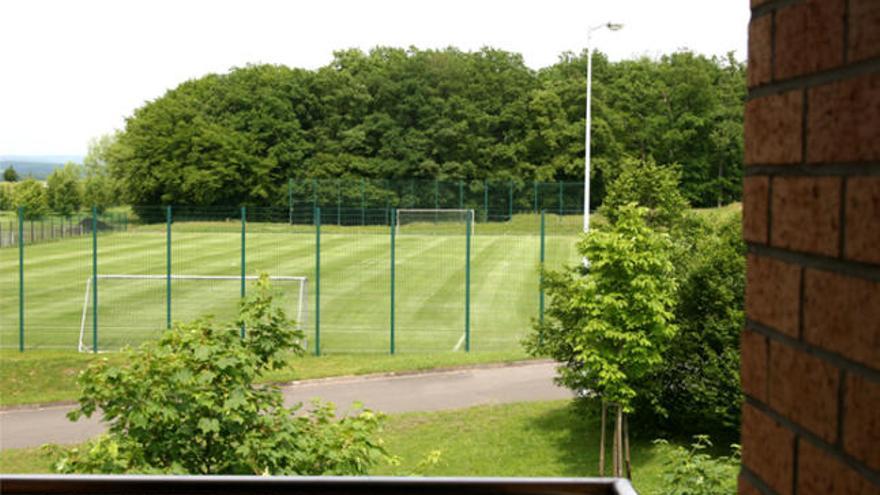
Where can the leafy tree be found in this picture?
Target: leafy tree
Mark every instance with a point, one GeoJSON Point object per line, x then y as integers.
{"type": "Point", "coordinates": [10, 175]}
{"type": "Point", "coordinates": [64, 190]}
{"type": "Point", "coordinates": [650, 185]}
{"type": "Point", "coordinates": [189, 404]}
{"type": "Point", "coordinates": [31, 195]}
{"type": "Point", "coordinates": [610, 324]}
{"type": "Point", "coordinates": [100, 189]}
{"type": "Point", "coordinates": [395, 113]}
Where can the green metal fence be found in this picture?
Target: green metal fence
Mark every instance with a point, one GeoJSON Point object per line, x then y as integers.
{"type": "Point", "coordinates": [355, 278]}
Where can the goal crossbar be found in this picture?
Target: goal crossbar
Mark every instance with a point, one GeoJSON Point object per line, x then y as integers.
{"type": "Point", "coordinates": [301, 309]}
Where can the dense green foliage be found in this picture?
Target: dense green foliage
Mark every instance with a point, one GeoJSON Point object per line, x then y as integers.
{"type": "Point", "coordinates": [698, 388]}
{"type": "Point", "coordinates": [99, 188]}
{"type": "Point", "coordinates": [10, 175]}
{"type": "Point", "coordinates": [64, 193]}
{"type": "Point", "coordinates": [609, 324]}
{"type": "Point", "coordinates": [432, 114]}
{"type": "Point", "coordinates": [188, 404]}
{"type": "Point", "coordinates": [30, 194]}
{"type": "Point", "coordinates": [650, 185]}
{"type": "Point", "coordinates": [693, 471]}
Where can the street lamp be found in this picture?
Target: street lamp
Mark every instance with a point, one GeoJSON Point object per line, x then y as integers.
{"type": "Point", "coordinates": [611, 26]}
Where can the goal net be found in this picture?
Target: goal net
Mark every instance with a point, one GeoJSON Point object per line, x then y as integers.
{"type": "Point", "coordinates": [433, 221]}
{"type": "Point", "coordinates": [134, 308]}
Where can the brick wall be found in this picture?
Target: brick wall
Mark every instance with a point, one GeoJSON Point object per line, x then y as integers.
{"type": "Point", "coordinates": [811, 217]}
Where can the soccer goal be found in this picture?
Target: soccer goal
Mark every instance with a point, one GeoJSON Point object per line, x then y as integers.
{"type": "Point", "coordinates": [133, 308]}
{"type": "Point", "coordinates": [433, 221]}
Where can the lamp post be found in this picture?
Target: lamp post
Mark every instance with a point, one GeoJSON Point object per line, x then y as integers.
{"type": "Point", "coordinates": [611, 26]}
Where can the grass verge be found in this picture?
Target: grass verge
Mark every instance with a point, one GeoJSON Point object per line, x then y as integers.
{"type": "Point", "coordinates": [553, 438]}
{"type": "Point", "coordinates": [43, 376]}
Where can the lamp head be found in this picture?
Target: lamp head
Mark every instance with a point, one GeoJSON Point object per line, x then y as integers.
{"type": "Point", "coordinates": [614, 26]}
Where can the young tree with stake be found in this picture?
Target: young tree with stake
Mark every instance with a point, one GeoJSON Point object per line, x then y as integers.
{"type": "Point", "coordinates": [609, 324]}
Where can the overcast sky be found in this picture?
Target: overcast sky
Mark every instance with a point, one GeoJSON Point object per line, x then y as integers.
{"type": "Point", "coordinates": [73, 70]}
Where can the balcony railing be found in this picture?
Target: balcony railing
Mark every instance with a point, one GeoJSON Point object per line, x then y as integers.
{"type": "Point", "coordinates": [307, 485]}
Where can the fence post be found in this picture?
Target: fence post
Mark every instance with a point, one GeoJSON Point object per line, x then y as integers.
{"type": "Point", "coordinates": [535, 187]}
{"type": "Point", "coordinates": [541, 283]}
{"type": "Point", "coordinates": [314, 194]}
{"type": "Point", "coordinates": [393, 228]}
{"type": "Point", "coordinates": [290, 201]}
{"type": "Point", "coordinates": [436, 194]}
{"type": "Point", "coordinates": [94, 279]}
{"type": "Point", "coordinates": [561, 184]}
{"type": "Point", "coordinates": [168, 267]}
{"type": "Point", "coordinates": [338, 203]}
{"type": "Point", "coordinates": [363, 202]}
{"type": "Point", "coordinates": [317, 281]}
{"type": "Point", "coordinates": [485, 200]}
{"type": "Point", "coordinates": [243, 257]}
{"type": "Point", "coordinates": [467, 284]}
{"type": "Point", "coordinates": [510, 201]}
{"type": "Point", "coordinates": [20, 279]}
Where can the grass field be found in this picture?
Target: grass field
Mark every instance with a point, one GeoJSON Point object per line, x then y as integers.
{"type": "Point", "coordinates": [526, 439]}
{"type": "Point", "coordinates": [355, 281]}
{"type": "Point", "coordinates": [44, 376]}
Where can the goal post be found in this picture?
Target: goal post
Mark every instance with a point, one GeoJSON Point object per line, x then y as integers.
{"type": "Point", "coordinates": [138, 303]}
{"type": "Point", "coordinates": [433, 220]}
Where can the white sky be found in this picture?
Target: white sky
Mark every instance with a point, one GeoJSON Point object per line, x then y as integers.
{"type": "Point", "coordinates": [72, 70]}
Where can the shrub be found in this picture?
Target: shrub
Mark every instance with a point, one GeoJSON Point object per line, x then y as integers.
{"type": "Point", "coordinates": [10, 175]}
{"type": "Point", "coordinates": [692, 471]}
{"type": "Point", "coordinates": [697, 389]}
{"type": "Point", "coordinates": [189, 404]}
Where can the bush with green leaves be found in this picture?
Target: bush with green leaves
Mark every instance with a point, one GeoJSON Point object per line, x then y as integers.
{"type": "Point", "coordinates": [64, 190]}
{"type": "Point", "coordinates": [655, 187]}
{"type": "Point", "coordinates": [6, 200]}
{"type": "Point", "coordinates": [31, 195]}
{"type": "Point", "coordinates": [698, 388]}
{"type": "Point", "coordinates": [694, 471]}
{"type": "Point", "coordinates": [188, 403]}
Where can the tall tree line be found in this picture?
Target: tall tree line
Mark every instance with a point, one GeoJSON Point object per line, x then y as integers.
{"type": "Point", "coordinates": [394, 113]}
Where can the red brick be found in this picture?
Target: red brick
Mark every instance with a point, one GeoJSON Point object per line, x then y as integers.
{"type": "Point", "coordinates": [767, 449]}
{"type": "Point", "coordinates": [755, 203]}
{"type": "Point", "coordinates": [864, 29]}
{"type": "Point", "coordinates": [806, 214]}
{"type": "Point", "coordinates": [760, 50]}
{"type": "Point", "coordinates": [819, 473]}
{"type": "Point", "coordinates": [772, 293]}
{"type": "Point", "coordinates": [842, 315]}
{"type": "Point", "coordinates": [861, 427]}
{"type": "Point", "coordinates": [862, 230]}
{"type": "Point", "coordinates": [753, 364]}
{"type": "Point", "coordinates": [804, 389]}
{"type": "Point", "coordinates": [746, 488]}
{"type": "Point", "coordinates": [773, 129]}
{"type": "Point", "coordinates": [843, 124]}
{"type": "Point", "coordinates": [809, 37]}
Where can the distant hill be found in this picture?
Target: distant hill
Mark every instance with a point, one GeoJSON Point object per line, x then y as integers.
{"type": "Point", "coordinates": [36, 166]}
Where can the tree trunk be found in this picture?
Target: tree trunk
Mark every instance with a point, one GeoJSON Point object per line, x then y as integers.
{"type": "Point", "coordinates": [615, 468]}
{"type": "Point", "coordinates": [602, 439]}
{"type": "Point", "coordinates": [626, 447]}
{"type": "Point", "coordinates": [618, 440]}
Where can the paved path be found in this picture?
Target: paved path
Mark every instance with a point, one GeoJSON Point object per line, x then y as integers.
{"type": "Point", "coordinates": [433, 391]}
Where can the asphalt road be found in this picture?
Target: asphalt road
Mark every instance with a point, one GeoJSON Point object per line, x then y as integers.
{"type": "Point", "coordinates": [432, 391]}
